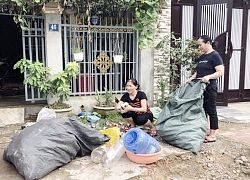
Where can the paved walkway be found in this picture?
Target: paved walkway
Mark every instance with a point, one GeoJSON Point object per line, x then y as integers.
{"type": "Point", "coordinates": [236, 113]}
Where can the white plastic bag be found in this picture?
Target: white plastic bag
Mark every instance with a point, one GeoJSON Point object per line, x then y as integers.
{"type": "Point", "coordinates": [46, 113]}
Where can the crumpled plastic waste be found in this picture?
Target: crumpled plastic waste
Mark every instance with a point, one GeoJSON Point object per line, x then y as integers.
{"type": "Point", "coordinates": [93, 118]}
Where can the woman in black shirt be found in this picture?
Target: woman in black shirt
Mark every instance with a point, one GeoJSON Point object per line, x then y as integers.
{"type": "Point", "coordinates": [137, 111]}
{"type": "Point", "coordinates": [209, 68]}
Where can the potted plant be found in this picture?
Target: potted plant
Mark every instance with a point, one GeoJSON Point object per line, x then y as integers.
{"type": "Point", "coordinates": [77, 50]}
{"type": "Point", "coordinates": [57, 85]}
{"type": "Point", "coordinates": [97, 11]}
{"type": "Point", "coordinates": [105, 102]}
{"type": "Point", "coordinates": [118, 58]}
{"type": "Point", "coordinates": [77, 54]}
{"type": "Point", "coordinates": [118, 54]}
{"type": "Point", "coordinates": [94, 19]}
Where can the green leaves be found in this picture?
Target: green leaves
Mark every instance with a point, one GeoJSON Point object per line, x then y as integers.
{"type": "Point", "coordinates": [105, 100]}
{"type": "Point", "coordinates": [39, 77]}
{"type": "Point", "coordinates": [18, 2]}
{"type": "Point", "coordinates": [177, 53]}
{"type": "Point", "coordinates": [138, 27]}
{"type": "Point", "coordinates": [77, 50]}
{"type": "Point", "coordinates": [146, 16]}
{"type": "Point", "coordinates": [145, 12]}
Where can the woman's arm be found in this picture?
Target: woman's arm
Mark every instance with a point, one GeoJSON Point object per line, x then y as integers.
{"type": "Point", "coordinates": [143, 107]}
{"type": "Point", "coordinates": [218, 73]}
{"type": "Point", "coordinates": [191, 78]}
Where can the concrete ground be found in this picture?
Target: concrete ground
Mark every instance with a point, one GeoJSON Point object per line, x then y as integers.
{"type": "Point", "coordinates": [84, 168]}
{"type": "Point", "coordinates": [236, 113]}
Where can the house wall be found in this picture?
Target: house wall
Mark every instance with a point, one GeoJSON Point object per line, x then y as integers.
{"type": "Point", "coordinates": [149, 59]}
{"type": "Point", "coordinates": [164, 28]}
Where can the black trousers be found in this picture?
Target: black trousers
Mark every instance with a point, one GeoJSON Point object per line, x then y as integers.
{"type": "Point", "coordinates": [139, 119]}
{"type": "Point", "coordinates": [209, 105]}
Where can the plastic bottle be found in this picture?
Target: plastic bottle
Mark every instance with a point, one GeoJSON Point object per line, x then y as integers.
{"type": "Point", "coordinates": [121, 107]}
{"type": "Point", "coordinates": [114, 153]}
{"type": "Point", "coordinates": [139, 142]}
{"type": "Point", "coordinates": [98, 153]}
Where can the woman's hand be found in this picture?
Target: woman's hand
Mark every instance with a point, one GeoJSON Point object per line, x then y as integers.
{"type": "Point", "coordinates": [187, 81]}
{"type": "Point", "coordinates": [191, 78]}
{"type": "Point", "coordinates": [127, 109]}
{"type": "Point", "coordinates": [118, 105]}
{"type": "Point", "coordinates": [205, 79]}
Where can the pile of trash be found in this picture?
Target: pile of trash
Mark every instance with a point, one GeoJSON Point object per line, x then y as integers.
{"type": "Point", "coordinates": [51, 142]}
{"type": "Point", "coordinates": [136, 141]}
{"type": "Point", "coordinates": [94, 120]}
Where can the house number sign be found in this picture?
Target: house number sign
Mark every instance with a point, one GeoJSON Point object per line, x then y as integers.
{"type": "Point", "coordinates": [53, 27]}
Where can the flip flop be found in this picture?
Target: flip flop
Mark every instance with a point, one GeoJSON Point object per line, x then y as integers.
{"type": "Point", "coordinates": [209, 140]}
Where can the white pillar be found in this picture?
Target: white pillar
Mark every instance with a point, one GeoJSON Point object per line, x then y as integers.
{"type": "Point", "coordinates": [53, 42]}
{"type": "Point", "coordinates": [147, 74]}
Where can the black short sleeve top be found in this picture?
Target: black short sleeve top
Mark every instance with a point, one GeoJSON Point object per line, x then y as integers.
{"type": "Point", "coordinates": [207, 63]}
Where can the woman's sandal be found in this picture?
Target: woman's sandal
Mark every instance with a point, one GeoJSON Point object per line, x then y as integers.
{"type": "Point", "coordinates": [206, 140]}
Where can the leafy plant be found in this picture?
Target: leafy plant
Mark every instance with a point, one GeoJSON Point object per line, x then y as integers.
{"type": "Point", "coordinates": [161, 85]}
{"type": "Point", "coordinates": [147, 17]}
{"type": "Point", "coordinates": [77, 50]}
{"type": "Point", "coordinates": [77, 43]}
{"type": "Point", "coordinates": [176, 54]}
{"type": "Point", "coordinates": [105, 100]}
{"type": "Point", "coordinates": [144, 11]}
{"type": "Point", "coordinates": [125, 56]}
{"type": "Point", "coordinates": [39, 77]}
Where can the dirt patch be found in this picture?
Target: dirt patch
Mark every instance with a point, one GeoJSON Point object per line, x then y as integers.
{"type": "Point", "coordinates": [225, 159]}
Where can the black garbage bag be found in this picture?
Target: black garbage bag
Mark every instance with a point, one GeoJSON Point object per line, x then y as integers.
{"type": "Point", "coordinates": [49, 144]}
{"type": "Point", "coordinates": [182, 122]}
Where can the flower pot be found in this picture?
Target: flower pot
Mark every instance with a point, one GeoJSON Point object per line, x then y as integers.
{"type": "Point", "coordinates": [103, 110]}
{"type": "Point", "coordinates": [52, 99]}
{"type": "Point", "coordinates": [118, 58]}
{"type": "Point", "coordinates": [94, 20]}
{"type": "Point", "coordinates": [78, 56]}
{"type": "Point", "coordinates": [63, 112]}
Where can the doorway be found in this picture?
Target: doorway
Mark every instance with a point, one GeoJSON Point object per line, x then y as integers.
{"type": "Point", "coordinates": [11, 81]}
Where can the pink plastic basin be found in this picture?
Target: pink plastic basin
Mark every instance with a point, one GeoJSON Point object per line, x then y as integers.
{"type": "Point", "coordinates": [144, 158]}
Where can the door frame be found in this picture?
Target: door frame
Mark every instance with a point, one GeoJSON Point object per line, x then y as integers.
{"type": "Point", "coordinates": [242, 94]}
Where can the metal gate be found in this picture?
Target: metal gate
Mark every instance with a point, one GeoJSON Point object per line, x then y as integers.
{"type": "Point", "coordinates": [98, 71]}
{"type": "Point", "coordinates": [228, 22]}
{"type": "Point", "coordinates": [213, 19]}
{"type": "Point", "coordinates": [34, 49]}
{"type": "Point", "coordinates": [234, 41]}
